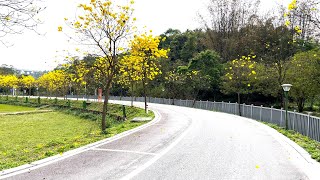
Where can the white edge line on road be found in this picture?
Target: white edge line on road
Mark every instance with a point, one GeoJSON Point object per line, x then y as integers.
{"type": "Point", "coordinates": [158, 156]}
{"type": "Point", "coordinates": [123, 151]}
{"type": "Point", "coordinates": [47, 161]}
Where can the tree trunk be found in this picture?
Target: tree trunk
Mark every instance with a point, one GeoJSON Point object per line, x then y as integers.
{"type": "Point", "coordinates": [300, 103]}
{"type": "Point", "coordinates": [105, 110]}
{"type": "Point", "coordinates": [145, 95]}
{"type": "Point", "coordinates": [77, 93]}
{"type": "Point", "coordinates": [131, 94]}
{"type": "Point", "coordinates": [105, 105]}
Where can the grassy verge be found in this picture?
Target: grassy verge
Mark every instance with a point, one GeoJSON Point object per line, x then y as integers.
{"type": "Point", "coordinates": [114, 110]}
{"type": "Point", "coordinates": [30, 137]}
{"type": "Point", "coordinates": [310, 145]}
{"type": "Point", "coordinates": [4, 108]}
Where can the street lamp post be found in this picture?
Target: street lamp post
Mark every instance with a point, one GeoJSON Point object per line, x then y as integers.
{"type": "Point", "coordinates": [286, 89]}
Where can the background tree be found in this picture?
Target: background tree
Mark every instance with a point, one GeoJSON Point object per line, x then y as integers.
{"type": "Point", "coordinates": [223, 23]}
{"type": "Point", "coordinates": [53, 82]}
{"type": "Point", "coordinates": [145, 50]}
{"type": "Point", "coordinates": [194, 82]}
{"type": "Point", "coordinates": [302, 17]}
{"type": "Point", "coordinates": [239, 75]}
{"type": "Point", "coordinates": [6, 69]}
{"type": "Point", "coordinates": [175, 85]}
{"type": "Point", "coordinates": [27, 82]}
{"type": "Point", "coordinates": [207, 63]}
{"type": "Point", "coordinates": [77, 70]}
{"type": "Point", "coordinates": [8, 82]}
{"type": "Point", "coordinates": [131, 73]}
{"type": "Point", "coordinates": [305, 76]}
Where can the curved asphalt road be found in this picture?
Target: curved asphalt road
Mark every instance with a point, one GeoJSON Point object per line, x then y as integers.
{"type": "Point", "coordinates": [185, 144]}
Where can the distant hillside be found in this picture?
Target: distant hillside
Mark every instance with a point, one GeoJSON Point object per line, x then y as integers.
{"type": "Point", "coordinates": [8, 69]}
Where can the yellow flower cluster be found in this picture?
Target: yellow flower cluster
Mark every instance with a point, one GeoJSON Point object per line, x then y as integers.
{"type": "Point", "coordinates": [241, 68]}
{"type": "Point", "coordinates": [103, 15]}
{"type": "Point", "coordinates": [53, 80]}
{"type": "Point", "coordinates": [298, 29]}
{"type": "Point", "coordinates": [292, 5]}
{"type": "Point", "coordinates": [142, 63]}
{"type": "Point", "coordinates": [27, 81]}
{"type": "Point", "coordinates": [86, 7]}
{"type": "Point", "coordinates": [8, 81]}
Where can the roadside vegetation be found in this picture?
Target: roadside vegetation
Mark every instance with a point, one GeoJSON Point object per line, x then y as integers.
{"type": "Point", "coordinates": [310, 145]}
{"type": "Point", "coordinates": [29, 137]}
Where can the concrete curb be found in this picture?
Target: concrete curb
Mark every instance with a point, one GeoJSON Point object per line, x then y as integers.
{"type": "Point", "coordinates": [43, 162]}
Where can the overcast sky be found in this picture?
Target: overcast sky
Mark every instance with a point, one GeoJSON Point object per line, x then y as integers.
{"type": "Point", "coordinates": [33, 52]}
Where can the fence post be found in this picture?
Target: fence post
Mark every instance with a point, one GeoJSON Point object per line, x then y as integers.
{"type": "Point", "coordinates": [222, 106]}
{"type": "Point", "coordinates": [214, 105]}
{"type": "Point", "coordinates": [229, 107]}
{"type": "Point", "coordinates": [294, 118]}
{"type": "Point", "coordinates": [244, 104]}
{"type": "Point", "coordinates": [235, 108]}
{"type": "Point", "coordinates": [271, 118]}
{"type": "Point", "coordinates": [261, 112]}
{"type": "Point", "coordinates": [207, 104]}
{"type": "Point", "coordinates": [308, 128]}
{"type": "Point", "coordinates": [281, 119]}
{"type": "Point", "coordinates": [251, 111]}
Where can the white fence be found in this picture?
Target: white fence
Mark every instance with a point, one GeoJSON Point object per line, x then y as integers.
{"type": "Point", "coordinates": [304, 124]}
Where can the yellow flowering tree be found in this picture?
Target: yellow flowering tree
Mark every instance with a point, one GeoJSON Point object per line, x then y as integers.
{"type": "Point", "coordinates": [8, 81]}
{"type": "Point", "coordinates": [104, 24]}
{"type": "Point", "coordinates": [27, 82]}
{"type": "Point", "coordinates": [239, 75]}
{"type": "Point", "coordinates": [54, 82]}
{"type": "Point", "coordinates": [76, 71]}
{"type": "Point", "coordinates": [146, 54]}
{"type": "Point", "coordinates": [130, 73]}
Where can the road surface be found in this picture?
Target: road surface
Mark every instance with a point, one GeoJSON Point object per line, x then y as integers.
{"type": "Point", "coordinates": [183, 143]}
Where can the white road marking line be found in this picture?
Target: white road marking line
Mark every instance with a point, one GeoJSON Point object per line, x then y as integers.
{"type": "Point", "coordinates": [158, 156]}
{"type": "Point", "coordinates": [124, 151]}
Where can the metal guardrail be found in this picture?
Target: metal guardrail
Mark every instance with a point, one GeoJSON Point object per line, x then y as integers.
{"type": "Point", "coordinates": [304, 124]}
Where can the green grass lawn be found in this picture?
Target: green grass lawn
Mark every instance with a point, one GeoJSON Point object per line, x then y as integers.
{"type": "Point", "coordinates": [30, 137]}
{"type": "Point", "coordinates": [4, 108]}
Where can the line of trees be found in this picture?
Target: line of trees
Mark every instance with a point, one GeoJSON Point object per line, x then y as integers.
{"type": "Point", "coordinates": [238, 55]}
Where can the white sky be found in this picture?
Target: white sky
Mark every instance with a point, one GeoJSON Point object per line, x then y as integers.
{"type": "Point", "coordinates": [33, 52]}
